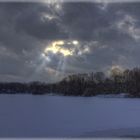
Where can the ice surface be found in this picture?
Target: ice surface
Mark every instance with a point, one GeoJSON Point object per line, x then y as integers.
{"type": "Point", "coordinates": [58, 116]}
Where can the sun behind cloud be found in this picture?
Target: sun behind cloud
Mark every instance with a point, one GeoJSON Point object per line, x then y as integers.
{"type": "Point", "coordinates": [58, 47]}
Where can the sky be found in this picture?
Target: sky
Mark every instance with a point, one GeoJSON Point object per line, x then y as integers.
{"type": "Point", "coordinates": [46, 41]}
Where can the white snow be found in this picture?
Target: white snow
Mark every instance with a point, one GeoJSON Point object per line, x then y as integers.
{"type": "Point", "coordinates": [58, 116]}
{"type": "Point", "coordinates": [121, 95]}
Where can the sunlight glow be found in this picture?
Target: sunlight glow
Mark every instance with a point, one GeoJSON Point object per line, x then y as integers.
{"type": "Point", "coordinates": [66, 48]}
{"type": "Point", "coordinates": [75, 42]}
{"type": "Point", "coordinates": [57, 47]}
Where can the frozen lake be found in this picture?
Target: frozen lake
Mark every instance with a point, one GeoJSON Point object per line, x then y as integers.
{"type": "Point", "coordinates": [57, 116]}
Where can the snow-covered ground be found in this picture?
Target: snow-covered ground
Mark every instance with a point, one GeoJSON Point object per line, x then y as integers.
{"type": "Point", "coordinates": [58, 116]}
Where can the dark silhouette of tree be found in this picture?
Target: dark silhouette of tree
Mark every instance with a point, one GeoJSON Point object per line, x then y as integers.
{"type": "Point", "coordinates": [99, 77]}
{"type": "Point", "coordinates": [127, 81]}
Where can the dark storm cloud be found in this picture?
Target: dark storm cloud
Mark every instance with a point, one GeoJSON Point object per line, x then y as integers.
{"type": "Point", "coordinates": [111, 32]}
{"type": "Point", "coordinates": [9, 37]}
{"type": "Point", "coordinates": [41, 29]}
{"type": "Point", "coordinates": [84, 20]}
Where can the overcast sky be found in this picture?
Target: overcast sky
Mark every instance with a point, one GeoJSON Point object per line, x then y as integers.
{"type": "Point", "coordinates": [46, 41]}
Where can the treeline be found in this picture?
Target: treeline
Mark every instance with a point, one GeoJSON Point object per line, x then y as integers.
{"type": "Point", "coordinates": [118, 81]}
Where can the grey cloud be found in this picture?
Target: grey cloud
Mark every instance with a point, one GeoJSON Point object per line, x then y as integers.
{"type": "Point", "coordinates": [24, 35]}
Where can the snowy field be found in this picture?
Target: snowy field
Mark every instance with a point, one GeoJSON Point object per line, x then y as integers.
{"type": "Point", "coordinates": [56, 116]}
